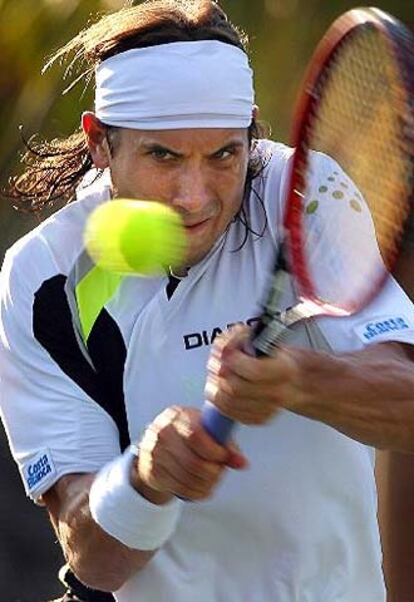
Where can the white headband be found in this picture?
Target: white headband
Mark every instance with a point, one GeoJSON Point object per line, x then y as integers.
{"type": "Point", "coordinates": [203, 84]}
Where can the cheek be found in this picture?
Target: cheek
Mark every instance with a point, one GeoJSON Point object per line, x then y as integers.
{"type": "Point", "coordinates": [138, 182]}
{"type": "Point", "coordinates": [233, 176]}
{"type": "Point", "coordinates": [151, 186]}
{"type": "Point", "coordinates": [233, 186]}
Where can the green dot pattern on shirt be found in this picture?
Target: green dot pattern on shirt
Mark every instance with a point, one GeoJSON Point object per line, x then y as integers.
{"type": "Point", "coordinates": [338, 193]}
{"type": "Point", "coordinates": [355, 205]}
{"type": "Point", "coordinates": [312, 207]}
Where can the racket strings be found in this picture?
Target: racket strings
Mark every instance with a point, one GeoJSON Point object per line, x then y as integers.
{"type": "Point", "coordinates": [359, 122]}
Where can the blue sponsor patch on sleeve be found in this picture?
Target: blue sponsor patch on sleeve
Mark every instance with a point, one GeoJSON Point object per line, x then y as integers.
{"type": "Point", "coordinates": [382, 327]}
{"type": "Point", "coordinates": [39, 472]}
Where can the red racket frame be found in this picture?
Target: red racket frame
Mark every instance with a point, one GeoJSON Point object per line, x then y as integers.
{"type": "Point", "coordinates": [307, 106]}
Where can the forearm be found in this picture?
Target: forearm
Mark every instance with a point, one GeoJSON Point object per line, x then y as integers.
{"type": "Point", "coordinates": [395, 482]}
{"type": "Point", "coordinates": [99, 560]}
{"type": "Point", "coordinates": [367, 395]}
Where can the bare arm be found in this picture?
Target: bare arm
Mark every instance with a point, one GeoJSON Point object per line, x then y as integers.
{"type": "Point", "coordinates": [395, 482]}
{"type": "Point", "coordinates": [367, 395]}
{"type": "Point", "coordinates": [177, 458]}
{"type": "Point", "coordinates": [99, 560]}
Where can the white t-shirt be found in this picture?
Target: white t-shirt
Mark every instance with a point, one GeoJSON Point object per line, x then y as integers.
{"type": "Point", "coordinates": [299, 524]}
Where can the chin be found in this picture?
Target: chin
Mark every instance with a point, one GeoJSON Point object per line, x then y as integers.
{"type": "Point", "coordinates": [195, 258]}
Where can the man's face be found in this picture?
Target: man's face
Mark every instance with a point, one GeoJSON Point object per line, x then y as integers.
{"type": "Point", "coordinates": [201, 173]}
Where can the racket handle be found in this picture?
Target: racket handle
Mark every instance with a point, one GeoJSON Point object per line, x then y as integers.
{"type": "Point", "coordinates": [217, 426]}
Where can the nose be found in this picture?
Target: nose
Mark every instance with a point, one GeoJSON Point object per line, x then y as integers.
{"type": "Point", "coordinates": [192, 191]}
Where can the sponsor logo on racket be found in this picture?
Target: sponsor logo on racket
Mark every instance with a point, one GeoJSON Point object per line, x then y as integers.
{"type": "Point", "coordinates": [39, 470]}
{"type": "Point", "coordinates": [382, 326]}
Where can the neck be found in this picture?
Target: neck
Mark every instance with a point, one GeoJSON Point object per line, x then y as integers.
{"type": "Point", "coordinates": [180, 272]}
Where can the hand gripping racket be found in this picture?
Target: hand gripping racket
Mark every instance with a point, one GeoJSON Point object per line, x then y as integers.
{"type": "Point", "coordinates": [348, 215]}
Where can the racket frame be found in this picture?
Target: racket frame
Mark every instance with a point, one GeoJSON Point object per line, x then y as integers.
{"type": "Point", "coordinates": [273, 324]}
{"type": "Point", "coordinates": [330, 44]}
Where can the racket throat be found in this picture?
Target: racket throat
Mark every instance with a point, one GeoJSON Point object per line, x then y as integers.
{"type": "Point", "coordinates": [274, 326]}
{"type": "Point", "coordinates": [273, 329]}
{"type": "Point", "coordinates": [274, 323]}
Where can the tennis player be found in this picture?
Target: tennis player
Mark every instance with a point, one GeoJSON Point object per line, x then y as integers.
{"type": "Point", "coordinates": [103, 413]}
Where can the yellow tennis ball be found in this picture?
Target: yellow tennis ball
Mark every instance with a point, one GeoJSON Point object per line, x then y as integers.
{"type": "Point", "coordinates": [131, 236]}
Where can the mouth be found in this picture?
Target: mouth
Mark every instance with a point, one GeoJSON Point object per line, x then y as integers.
{"type": "Point", "coordinates": [197, 227]}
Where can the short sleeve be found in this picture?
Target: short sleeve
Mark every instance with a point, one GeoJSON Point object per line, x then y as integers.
{"type": "Point", "coordinates": [389, 317]}
{"type": "Point", "coordinates": [335, 213]}
{"type": "Point", "coordinates": [53, 424]}
{"type": "Point", "coordinates": [344, 261]}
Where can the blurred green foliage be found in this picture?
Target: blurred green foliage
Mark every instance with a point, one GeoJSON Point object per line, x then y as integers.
{"type": "Point", "coordinates": [282, 36]}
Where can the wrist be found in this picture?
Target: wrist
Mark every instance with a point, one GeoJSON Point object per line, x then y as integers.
{"type": "Point", "coordinates": [122, 512]}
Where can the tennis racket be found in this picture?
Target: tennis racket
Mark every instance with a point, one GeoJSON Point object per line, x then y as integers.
{"type": "Point", "coordinates": [348, 218]}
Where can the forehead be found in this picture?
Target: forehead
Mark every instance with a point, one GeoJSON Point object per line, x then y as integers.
{"type": "Point", "coordinates": [204, 139]}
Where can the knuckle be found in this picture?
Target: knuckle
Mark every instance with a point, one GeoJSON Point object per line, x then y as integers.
{"type": "Point", "coordinates": [211, 487]}
{"type": "Point", "coordinates": [230, 385]}
{"type": "Point", "coordinates": [196, 438]}
{"type": "Point", "coordinates": [196, 467]}
{"type": "Point", "coordinates": [211, 472]}
{"type": "Point", "coordinates": [148, 442]}
{"type": "Point", "coordinates": [189, 491]}
{"type": "Point", "coordinates": [223, 400]}
{"type": "Point", "coordinates": [202, 493]}
{"type": "Point", "coordinates": [165, 418]}
{"type": "Point", "coordinates": [198, 495]}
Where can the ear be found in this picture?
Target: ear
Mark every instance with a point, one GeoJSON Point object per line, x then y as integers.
{"type": "Point", "coordinates": [255, 113]}
{"type": "Point", "coordinates": [95, 135]}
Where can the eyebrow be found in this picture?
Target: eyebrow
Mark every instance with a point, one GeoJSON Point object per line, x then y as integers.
{"type": "Point", "coordinates": [152, 146]}
{"type": "Point", "coordinates": [231, 145]}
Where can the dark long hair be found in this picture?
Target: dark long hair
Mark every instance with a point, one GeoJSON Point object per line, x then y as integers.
{"type": "Point", "coordinates": [53, 169]}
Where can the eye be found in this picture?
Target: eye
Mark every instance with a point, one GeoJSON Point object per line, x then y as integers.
{"type": "Point", "coordinates": [160, 153]}
{"type": "Point", "coordinates": [224, 153]}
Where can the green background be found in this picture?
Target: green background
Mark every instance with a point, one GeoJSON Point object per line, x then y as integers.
{"type": "Point", "coordinates": [282, 36]}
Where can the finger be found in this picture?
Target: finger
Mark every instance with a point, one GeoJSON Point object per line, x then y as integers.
{"type": "Point", "coordinates": [182, 481]}
{"type": "Point", "coordinates": [234, 338]}
{"type": "Point", "coordinates": [187, 423]}
{"type": "Point", "coordinates": [255, 408]}
{"type": "Point", "coordinates": [236, 390]}
{"type": "Point", "coordinates": [188, 466]}
{"type": "Point", "coordinates": [207, 452]}
{"type": "Point", "coordinates": [195, 494]}
{"type": "Point", "coordinates": [174, 467]}
{"type": "Point", "coordinates": [189, 476]}
{"type": "Point", "coordinates": [224, 346]}
{"type": "Point", "coordinates": [189, 427]}
{"type": "Point", "coordinates": [177, 483]}
{"type": "Point", "coordinates": [249, 416]}
{"type": "Point", "coordinates": [278, 369]}
{"type": "Point", "coordinates": [237, 460]}
{"type": "Point", "coordinates": [180, 444]}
